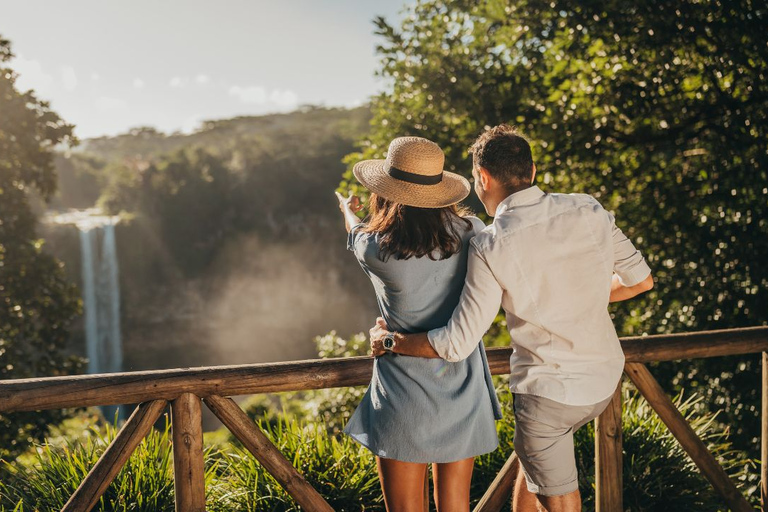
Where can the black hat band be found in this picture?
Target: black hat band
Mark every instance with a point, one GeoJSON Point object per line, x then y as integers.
{"type": "Point", "coordinates": [418, 179]}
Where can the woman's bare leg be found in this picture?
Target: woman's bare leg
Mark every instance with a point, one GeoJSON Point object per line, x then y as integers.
{"type": "Point", "coordinates": [452, 482]}
{"type": "Point", "coordinates": [402, 484]}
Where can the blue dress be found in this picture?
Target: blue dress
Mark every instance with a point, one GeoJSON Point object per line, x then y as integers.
{"type": "Point", "coordinates": [420, 409]}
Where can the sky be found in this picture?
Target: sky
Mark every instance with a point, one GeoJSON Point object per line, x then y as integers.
{"type": "Point", "coordinates": [108, 66]}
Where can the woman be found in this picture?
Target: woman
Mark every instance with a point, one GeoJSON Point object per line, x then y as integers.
{"type": "Point", "coordinates": [417, 411]}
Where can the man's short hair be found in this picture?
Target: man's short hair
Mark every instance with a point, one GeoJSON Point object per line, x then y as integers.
{"type": "Point", "coordinates": [505, 153]}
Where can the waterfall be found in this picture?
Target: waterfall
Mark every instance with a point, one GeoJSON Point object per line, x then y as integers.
{"type": "Point", "coordinates": [101, 293]}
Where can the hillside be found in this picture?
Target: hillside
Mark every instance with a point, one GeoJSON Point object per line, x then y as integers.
{"type": "Point", "coordinates": [231, 248]}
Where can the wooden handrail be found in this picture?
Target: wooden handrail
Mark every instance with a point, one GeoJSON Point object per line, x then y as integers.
{"type": "Point", "coordinates": [185, 387]}
{"type": "Point", "coordinates": [136, 387]}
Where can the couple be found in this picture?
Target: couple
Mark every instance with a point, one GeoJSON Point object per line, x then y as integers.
{"type": "Point", "coordinates": [552, 261]}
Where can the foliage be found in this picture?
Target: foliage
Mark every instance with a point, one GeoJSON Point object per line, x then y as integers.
{"type": "Point", "coordinates": [657, 109]}
{"type": "Point", "coordinates": [341, 471]}
{"type": "Point", "coordinates": [657, 472]}
{"type": "Point", "coordinates": [658, 476]}
{"type": "Point", "coordinates": [144, 484]}
{"type": "Point", "coordinates": [37, 303]}
{"type": "Point", "coordinates": [329, 407]}
{"type": "Point", "coordinates": [244, 175]}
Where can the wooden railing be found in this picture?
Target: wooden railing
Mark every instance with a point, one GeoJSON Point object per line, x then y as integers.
{"type": "Point", "coordinates": [186, 388]}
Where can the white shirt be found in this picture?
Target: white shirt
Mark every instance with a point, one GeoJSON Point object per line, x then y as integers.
{"type": "Point", "coordinates": [548, 259]}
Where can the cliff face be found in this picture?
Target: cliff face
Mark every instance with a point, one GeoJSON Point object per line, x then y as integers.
{"type": "Point", "coordinates": [231, 248]}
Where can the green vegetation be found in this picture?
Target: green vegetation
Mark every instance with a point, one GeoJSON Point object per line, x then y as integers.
{"type": "Point", "coordinates": [37, 303]}
{"type": "Point", "coordinates": [657, 473]}
{"type": "Point", "coordinates": [659, 110]}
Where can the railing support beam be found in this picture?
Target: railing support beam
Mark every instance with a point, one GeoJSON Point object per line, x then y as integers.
{"type": "Point", "coordinates": [96, 482]}
{"type": "Point", "coordinates": [244, 429]}
{"type": "Point", "coordinates": [679, 427]}
{"type": "Point", "coordinates": [188, 464]}
{"type": "Point", "coordinates": [609, 484]}
{"type": "Point", "coordinates": [501, 488]}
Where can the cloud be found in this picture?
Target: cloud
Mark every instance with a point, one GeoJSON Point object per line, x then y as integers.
{"type": "Point", "coordinates": [284, 98]}
{"type": "Point", "coordinates": [95, 76]}
{"type": "Point", "coordinates": [202, 79]}
{"type": "Point", "coordinates": [178, 81]}
{"type": "Point", "coordinates": [107, 104]}
{"type": "Point", "coordinates": [31, 75]}
{"type": "Point", "coordinates": [138, 83]}
{"type": "Point", "coordinates": [191, 124]}
{"type": "Point", "coordinates": [256, 95]}
{"type": "Point", "coordinates": [250, 94]}
{"type": "Point", "coordinates": [69, 77]}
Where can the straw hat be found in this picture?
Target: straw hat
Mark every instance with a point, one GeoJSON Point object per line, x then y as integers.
{"type": "Point", "coordinates": [413, 174]}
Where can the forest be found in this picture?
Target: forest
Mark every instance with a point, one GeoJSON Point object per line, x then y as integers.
{"type": "Point", "coordinates": [657, 109]}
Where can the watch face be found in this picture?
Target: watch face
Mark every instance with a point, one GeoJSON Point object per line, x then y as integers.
{"type": "Point", "coordinates": [389, 343]}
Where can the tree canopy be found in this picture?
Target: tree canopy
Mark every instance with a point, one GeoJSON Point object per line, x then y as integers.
{"type": "Point", "coordinates": [37, 302]}
{"type": "Point", "coordinates": [658, 109]}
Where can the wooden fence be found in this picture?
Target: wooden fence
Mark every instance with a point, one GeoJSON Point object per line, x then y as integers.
{"type": "Point", "coordinates": [185, 390]}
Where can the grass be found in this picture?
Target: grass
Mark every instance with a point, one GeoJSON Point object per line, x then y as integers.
{"type": "Point", "coordinates": [658, 476]}
{"type": "Point", "coordinates": [305, 426]}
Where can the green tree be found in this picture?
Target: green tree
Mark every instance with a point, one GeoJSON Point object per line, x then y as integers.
{"type": "Point", "coordinates": [657, 109]}
{"type": "Point", "coordinates": [37, 303]}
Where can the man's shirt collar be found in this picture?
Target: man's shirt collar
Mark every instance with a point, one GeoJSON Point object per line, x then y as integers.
{"type": "Point", "coordinates": [522, 197]}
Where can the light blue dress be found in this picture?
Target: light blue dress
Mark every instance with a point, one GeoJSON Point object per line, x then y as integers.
{"type": "Point", "coordinates": [420, 409]}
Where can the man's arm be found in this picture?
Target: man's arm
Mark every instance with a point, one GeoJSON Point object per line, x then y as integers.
{"type": "Point", "coordinates": [478, 306]}
{"type": "Point", "coordinates": [416, 345]}
{"type": "Point", "coordinates": [620, 292]}
{"type": "Point", "coordinates": [632, 274]}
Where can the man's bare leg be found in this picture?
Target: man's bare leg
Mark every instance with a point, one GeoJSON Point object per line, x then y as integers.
{"type": "Point", "coordinates": [570, 502]}
{"type": "Point", "coordinates": [525, 501]}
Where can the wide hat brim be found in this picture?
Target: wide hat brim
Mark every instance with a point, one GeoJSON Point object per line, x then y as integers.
{"type": "Point", "coordinates": [452, 189]}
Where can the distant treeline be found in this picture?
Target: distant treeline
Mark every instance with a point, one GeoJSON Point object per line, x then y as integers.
{"type": "Point", "coordinates": [273, 175]}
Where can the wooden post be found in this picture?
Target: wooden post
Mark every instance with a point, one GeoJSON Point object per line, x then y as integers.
{"type": "Point", "coordinates": [685, 435]}
{"type": "Point", "coordinates": [501, 488]}
{"type": "Point", "coordinates": [608, 457]}
{"type": "Point", "coordinates": [426, 489]}
{"type": "Point", "coordinates": [244, 429]}
{"type": "Point", "coordinates": [115, 456]}
{"type": "Point", "coordinates": [764, 440]}
{"type": "Point", "coordinates": [188, 464]}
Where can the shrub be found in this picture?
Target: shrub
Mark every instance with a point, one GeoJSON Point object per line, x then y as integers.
{"type": "Point", "coordinates": [658, 475]}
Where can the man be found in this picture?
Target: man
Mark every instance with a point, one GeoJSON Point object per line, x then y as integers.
{"type": "Point", "coordinates": [553, 262]}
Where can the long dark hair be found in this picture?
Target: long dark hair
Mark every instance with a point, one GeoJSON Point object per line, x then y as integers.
{"type": "Point", "coordinates": [410, 231]}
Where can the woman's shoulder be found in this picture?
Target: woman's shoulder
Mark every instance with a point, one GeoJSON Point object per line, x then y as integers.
{"type": "Point", "coordinates": [357, 236]}
{"type": "Point", "coordinates": [477, 224]}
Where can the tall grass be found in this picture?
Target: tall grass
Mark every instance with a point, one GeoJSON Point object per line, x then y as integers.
{"type": "Point", "coordinates": [342, 471]}
{"type": "Point", "coordinates": [145, 484]}
{"type": "Point", "coordinates": [658, 476]}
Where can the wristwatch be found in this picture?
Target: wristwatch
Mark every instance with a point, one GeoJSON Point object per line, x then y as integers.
{"type": "Point", "coordinates": [389, 341]}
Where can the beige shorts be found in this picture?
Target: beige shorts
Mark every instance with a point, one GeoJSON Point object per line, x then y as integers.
{"type": "Point", "coordinates": [544, 441]}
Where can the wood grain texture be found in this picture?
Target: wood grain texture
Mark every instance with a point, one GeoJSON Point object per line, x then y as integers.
{"type": "Point", "coordinates": [135, 387]}
{"type": "Point", "coordinates": [98, 479]}
{"type": "Point", "coordinates": [501, 488]}
{"type": "Point", "coordinates": [266, 453]}
{"type": "Point", "coordinates": [695, 447]}
{"type": "Point", "coordinates": [609, 482]}
{"type": "Point", "coordinates": [694, 345]}
{"type": "Point", "coordinates": [188, 463]}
